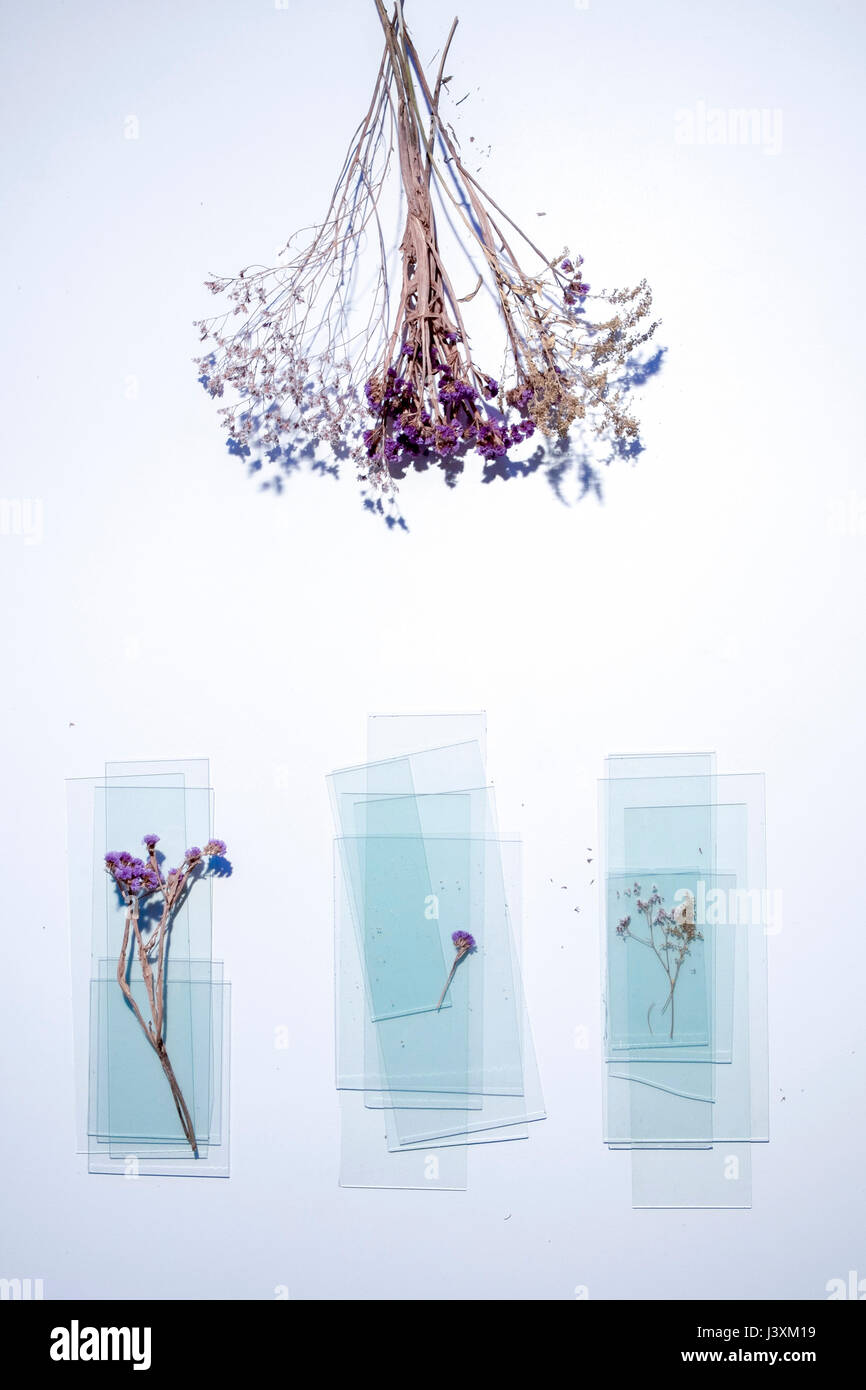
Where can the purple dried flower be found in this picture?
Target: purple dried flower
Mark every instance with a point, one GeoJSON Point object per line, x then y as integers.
{"type": "Point", "coordinates": [215, 847]}
{"type": "Point", "coordinates": [150, 841]}
{"type": "Point", "coordinates": [446, 439]}
{"type": "Point", "coordinates": [414, 375]}
{"type": "Point", "coordinates": [193, 854]}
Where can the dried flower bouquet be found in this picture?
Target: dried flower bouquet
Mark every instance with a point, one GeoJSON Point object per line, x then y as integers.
{"type": "Point", "coordinates": [396, 384]}
{"type": "Point", "coordinates": [136, 881]}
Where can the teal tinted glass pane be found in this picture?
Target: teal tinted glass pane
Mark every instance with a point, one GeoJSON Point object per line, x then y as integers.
{"type": "Point", "coordinates": [182, 817]}
{"type": "Point", "coordinates": [114, 811]}
{"type": "Point", "coordinates": [686, 1123]}
{"type": "Point", "coordinates": [503, 1065]}
{"type": "Point", "coordinates": [468, 1136]}
{"type": "Point", "coordinates": [98, 813]}
{"type": "Point", "coordinates": [738, 1092]}
{"type": "Point", "coordinates": [158, 1158]}
{"type": "Point", "coordinates": [396, 735]}
{"type": "Point", "coordinates": [134, 1109]}
{"type": "Point", "coordinates": [672, 1102]}
{"type": "Point", "coordinates": [428, 1050]}
{"type": "Point", "coordinates": [716, 1178]}
{"type": "Point", "coordinates": [639, 975]}
{"type": "Point", "coordinates": [206, 1010]}
{"type": "Point", "coordinates": [366, 1162]}
{"type": "Point", "coordinates": [390, 885]}
{"type": "Point", "coordinates": [660, 764]}
{"type": "Point", "coordinates": [190, 1030]}
{"type": "Point", "coordinates": [454, 768]}
{"type": "Point", "coordinates": [402, 1057]}
{"type": "Point", "coordinates": [507, 1078]}
{"type": "Point", "coordinates": [659, 985]}
{"type": "Point", "coordinates": [643, 1111]}
{"type": "Point", "coordinates": [193, 772]}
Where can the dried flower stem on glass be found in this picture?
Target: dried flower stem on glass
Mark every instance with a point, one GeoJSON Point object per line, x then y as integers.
{"type": "Point", "coordinates": [464, 945]}
{"type": "Point", "coordinates": [400, 384]}
{"type": "Point", "coordinates": [137, 880]}
{"type": "Point", "coordinates": [670, 936]}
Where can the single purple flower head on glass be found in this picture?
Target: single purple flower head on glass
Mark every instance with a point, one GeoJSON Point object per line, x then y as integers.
{"type": "Point", "coordinates": [193, 854]}
{"type": "Point", "coordinates": [150, 841]}
{"type": "Point", "coordinates": [464, 945]}
{"type": "Point", "coordinates": [215, 847]}
{"type": "Point", "coordinates": [566, 265]}
{"type": "Point", "coordinates": [463, 942]}
{"type": "Point", "coordinates": [112, 859]}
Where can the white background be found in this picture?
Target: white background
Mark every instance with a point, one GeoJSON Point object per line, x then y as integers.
{"type": "Point", "coordinates": [171, 608]}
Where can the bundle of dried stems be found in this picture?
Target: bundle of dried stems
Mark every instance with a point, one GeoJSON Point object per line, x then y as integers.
{"type": "Point", "coordinates": [136, 881]}
{"type": "Point", "coordinates": [394, 383]}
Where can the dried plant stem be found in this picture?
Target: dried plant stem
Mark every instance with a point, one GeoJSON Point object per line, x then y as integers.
{"type": "Point", "coordinates": [457, 959]}
{"type": "Point", "coordinates": [153, 1030]}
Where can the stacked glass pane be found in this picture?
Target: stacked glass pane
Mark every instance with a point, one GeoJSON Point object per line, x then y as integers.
{"type": "Point", "coordinates": [425, 1071]}
{"type": "Point", "coordinates": [126, 1119]}
{"type": "Point", "coordinates": [685, 916]}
